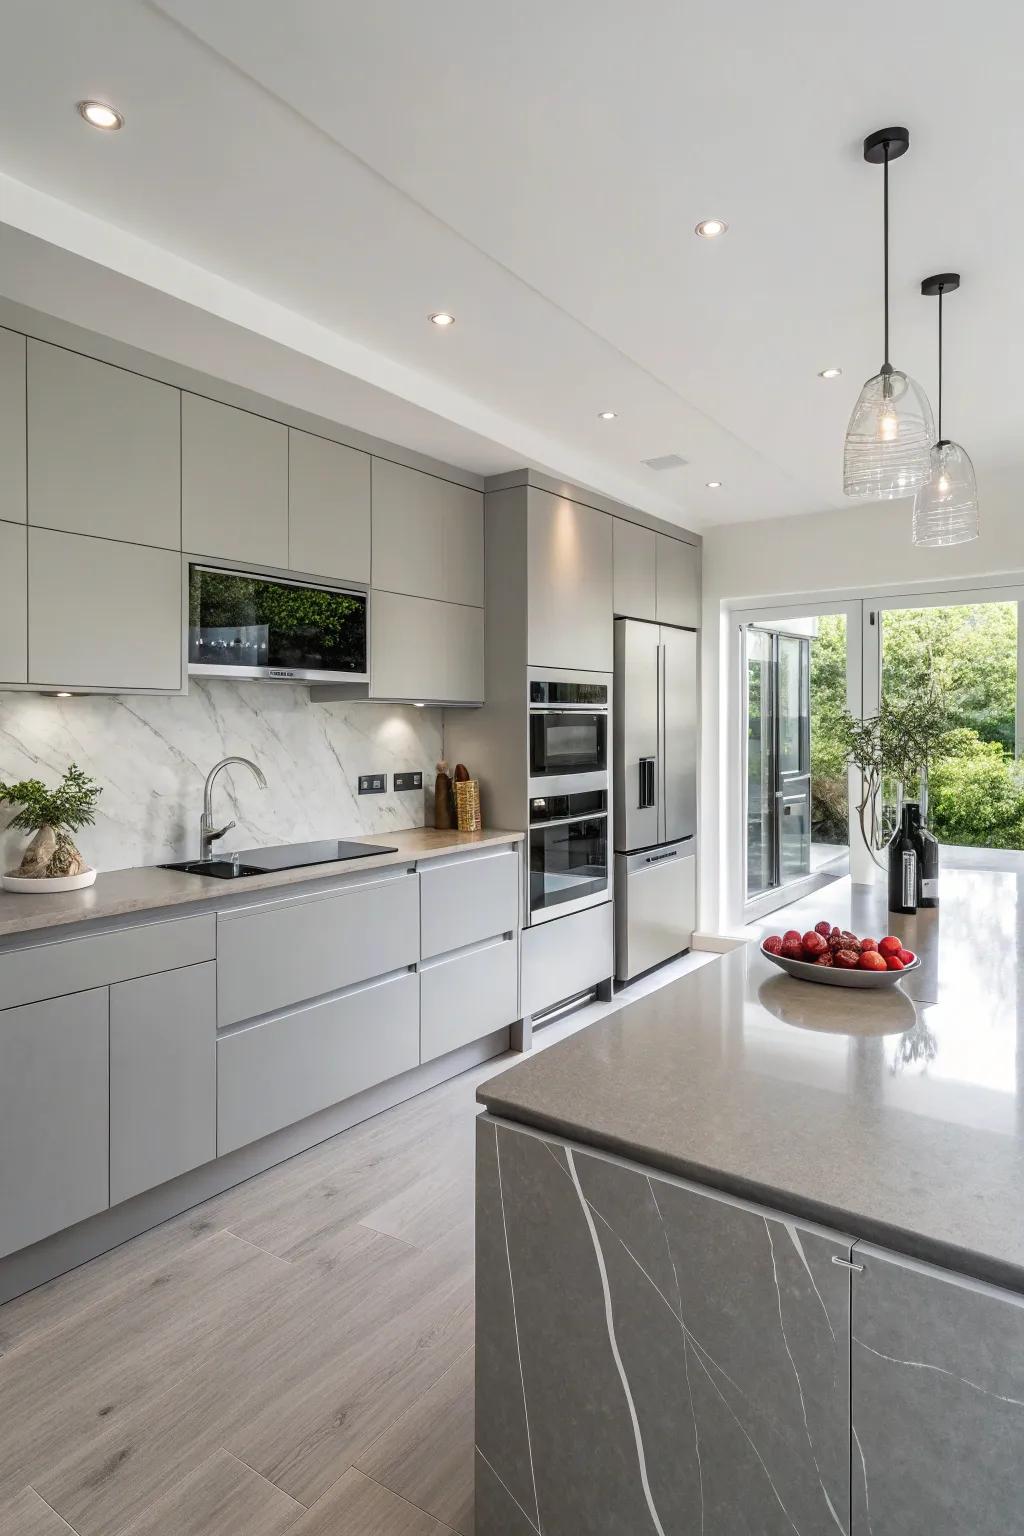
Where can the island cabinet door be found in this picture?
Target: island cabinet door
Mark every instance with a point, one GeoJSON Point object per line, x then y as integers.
{"type": "Point", "coordinates": [652, 1356]}
{"type": "Point", "coordinates": [938, 1401]}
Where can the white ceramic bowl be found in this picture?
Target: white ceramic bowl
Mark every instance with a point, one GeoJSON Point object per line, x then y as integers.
{"type": "Point", "coordinates": [48, 885]}
{"type": "Point", "coordinates": [836, 976]}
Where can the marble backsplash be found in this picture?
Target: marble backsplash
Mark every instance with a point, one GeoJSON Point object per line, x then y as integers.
{"type": "Point", "coordinates": [152, 755]}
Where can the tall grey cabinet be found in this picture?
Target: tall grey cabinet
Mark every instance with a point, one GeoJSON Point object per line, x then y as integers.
{"type": "Point", "coordinates": [12, 427]}
{"type": "Point", "coordinates": [13, 603]}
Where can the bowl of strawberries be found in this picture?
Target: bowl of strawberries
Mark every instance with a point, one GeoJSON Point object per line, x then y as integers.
{"type": "Point", "coordinates": [838, 958]}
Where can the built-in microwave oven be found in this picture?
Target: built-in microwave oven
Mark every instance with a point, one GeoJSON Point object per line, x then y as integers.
{"type": "Point", "coordinates": [568, 733]}
{"type": "Point", "coordinates": [569, 853]}
{"type": "Point", "coordinates": [244, 625]}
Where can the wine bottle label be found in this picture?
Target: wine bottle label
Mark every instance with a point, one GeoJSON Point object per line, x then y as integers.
{"type": "Point", "coordinates": [929, 887]}
{"type": "Point", "coordinates": [910, 879]}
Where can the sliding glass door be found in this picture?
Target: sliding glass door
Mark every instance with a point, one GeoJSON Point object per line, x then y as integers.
{"type": "Point", "coordinates": [778, 677]}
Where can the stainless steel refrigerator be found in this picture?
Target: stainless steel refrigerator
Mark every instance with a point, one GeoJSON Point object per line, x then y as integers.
{"type": "Point", "coordinates": [655, 793]}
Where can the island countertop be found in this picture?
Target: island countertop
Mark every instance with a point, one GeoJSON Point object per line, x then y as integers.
{"type": "Point", "coordinates": [150, 888]}
{"type": "Point", "coordinates": [893, 1119]}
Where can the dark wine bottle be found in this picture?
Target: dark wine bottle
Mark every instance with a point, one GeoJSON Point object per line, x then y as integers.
{"type": "Point", "coordinates": [903, 868]}
{"type": "Point", "coordinates": [926, 846]}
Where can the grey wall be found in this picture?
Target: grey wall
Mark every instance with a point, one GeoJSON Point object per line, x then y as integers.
{"type": "Point", "coordinates": [151, 755]}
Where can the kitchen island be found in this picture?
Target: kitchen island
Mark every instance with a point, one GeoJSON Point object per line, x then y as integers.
{"type": "Point", "coordinates": [751, 1258]}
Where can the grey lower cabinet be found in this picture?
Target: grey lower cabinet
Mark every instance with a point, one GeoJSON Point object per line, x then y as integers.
{"type": "Point", "coordinates": [104, 449]}
{"type": "Point", "coordinates": [282, 1069]}
{"type": "Point", "coordinates": [468, 995]}
{"type": "Point", "coordinates": [13, 603]}
{"type": "Point", "coordinates": [938, 1401]}
{"type": "Point", "coordinates": [102, 614]}
{"type": "Point", "coordinates": [467, 897]}
{"type": "Point", "coordinates": [328, 508]}
{"type": "Point", "coordinates": [234, 483]}
{"type": "Point", "coordinates": [425, 651]}
{"type": "Point", "coordinates": [678, 582]}
{"type": "Point", "coordinates": [651, 1355]}
{"type": "Point", "coordinates": [12, 427]}
{"type": "Point", "coordinates": [634, 566]}
{"type": "Point", "coordinates": [568, 584]}
{"type": "Point", "coordinates": [163, 1077]}
{"type": "Point", "coordinates": [428, 535]}
{"type": "Point", "coordinates": [54, 1116]}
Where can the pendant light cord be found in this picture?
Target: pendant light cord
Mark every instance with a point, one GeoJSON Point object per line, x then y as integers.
{"type": "Point", "coordinates": [941, 286]}
{"type": "Point", "coordinates": [885, 226]}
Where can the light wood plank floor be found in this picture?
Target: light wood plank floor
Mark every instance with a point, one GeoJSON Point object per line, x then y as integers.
{"type": "Point", "coordinates": [294, 1356]}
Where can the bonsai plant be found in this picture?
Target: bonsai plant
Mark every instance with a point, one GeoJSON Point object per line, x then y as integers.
{"type": "Point", "coordinates": [895, 746]}
{"type": "Point", "coordinates": [54, 815]}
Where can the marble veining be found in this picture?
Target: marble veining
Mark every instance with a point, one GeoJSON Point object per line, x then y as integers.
{"type": "Point", "coordinates": [152, 754]}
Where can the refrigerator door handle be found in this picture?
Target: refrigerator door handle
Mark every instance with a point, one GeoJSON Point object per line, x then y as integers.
{"type": "Point", "coordinates": [662, 753]}
{"type": "Point", "coordinates": [646, 783]}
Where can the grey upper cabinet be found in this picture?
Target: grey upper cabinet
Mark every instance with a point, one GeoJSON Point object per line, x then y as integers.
{"type": "Point", "coordinates": [53, 1116]}
{"type": "Point", "coordinates": [12, 427]}
{"type": "Point", "coordinates": [328, 508]}
{"type": "Point", "coordinates": [425, 650]}
{"type": "Point", "coordinates": [13, 603]}
{"type": "Point", "coordinates": [569, 584]}
{"type": "Point", "coordinates": [634, 567]}
{"type": "Point", "coordinates": [163, 1077]}
{"type": "Point", "coordinates": [428, 535]}
{"type": "Point", "coordinates": [102, 614]}
{"type": "Point", "coordinates": [103, 449]}
{"type": "Point", "coordinates": [678, 582]}
{"type": "Point", "coordinates": [234, 484]}
{"type": "Point", "coordinates": [938, 1401]}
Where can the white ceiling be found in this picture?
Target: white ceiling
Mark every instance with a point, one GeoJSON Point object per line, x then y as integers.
{"type": "Point", "coordinates": [318, 176]}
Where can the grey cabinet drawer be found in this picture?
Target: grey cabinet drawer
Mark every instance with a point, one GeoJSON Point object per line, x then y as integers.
{"type": "Point", "coordinates": [280, 953]}
{"type": "Point", "coordinates": [53, 1116]}
{"type": "Point", "coordinates": [71, 965]}
{"type": "Point", "coordinates": [278, 1072]}
{"type": "Point", "coordinates": [466, 996]}
{"type": "Point", "coordinates": [566, 956]}
{"type": "Point", "coordinates": [467, 897]}
{"type": "Point", "coordinates": [163, 1077]}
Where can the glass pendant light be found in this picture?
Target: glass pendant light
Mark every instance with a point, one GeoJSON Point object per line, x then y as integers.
{"type": "Point", "coordinates": [946, 506]}
{"type": "Point", "coordinates": [890, 432]}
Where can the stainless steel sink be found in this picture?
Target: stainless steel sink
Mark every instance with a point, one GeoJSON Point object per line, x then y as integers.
{"type": "Point", "coordinates": [218, 869]}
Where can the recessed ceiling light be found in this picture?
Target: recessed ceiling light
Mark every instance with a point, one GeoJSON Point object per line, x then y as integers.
{"type": "Point", "coordinates": [829, 373]}
{"type": "Point", "coordinates": [442, 317]}
{"type": "Point", "coordinates": [710, 229]}
{"type": "Point", "coordinates": [63, 695]}
{"type": "Point", "coordinates": [713, 485]}
{"type": "Point", "coordinates": [99, 115]}
{"type": "Point", "coordinates": [419, 706]}
{"type": "Point", "coordinates": [607, 415]}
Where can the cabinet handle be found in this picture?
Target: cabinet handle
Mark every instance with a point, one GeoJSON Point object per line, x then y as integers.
{"type": "Point", "coordinates": [858, 1269]}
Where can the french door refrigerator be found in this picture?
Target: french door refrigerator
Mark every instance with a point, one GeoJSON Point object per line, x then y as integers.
{"type": "Point", "coordinates": [655, 793]}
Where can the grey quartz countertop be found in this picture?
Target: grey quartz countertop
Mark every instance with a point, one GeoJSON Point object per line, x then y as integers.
{"type": "Point", "coordinates": [124, 891]}
{"type": "Point", "coordinates": [889, 1118]}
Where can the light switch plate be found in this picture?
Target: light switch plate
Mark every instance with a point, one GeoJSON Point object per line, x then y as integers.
{"type": "Point", "coordinates": [408, 781]}
{"type": "Point", "coordinates": [373, 783]}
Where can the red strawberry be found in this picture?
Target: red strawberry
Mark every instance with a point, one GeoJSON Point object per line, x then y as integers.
{"type": "Point", "coordinates": [894, 963]}
{"type": "Point", "coordinates": [789, 934]}
{"type": "Point", "coordinates": [835, 933]}
{"type": "Point", "coordinates": [889, 946]}
{"type": "Point", "coordinates": [871, 960]}
{"type": "Point", "coordinates": [814, 945]}
{"type": "Point", "coordinates": [823, 928]}
{"type": "Point", "coordinates": [792, 949]}
{"type": "Point", "coordinates": [825, 959]}
{"type": "Point", "coordinates": [846, 959]}
{"type": "Point", "coordinates": [772, 944]}
{"type": "Point", "coordinates": [866, 946]}
{"type": "Point", "coordinates": [907, 956]}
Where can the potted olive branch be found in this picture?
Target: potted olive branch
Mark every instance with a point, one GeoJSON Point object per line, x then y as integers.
{"type": "Point", "coordinates": [51, 861]}
{"type": "Point", "coordinates": [895, 746]}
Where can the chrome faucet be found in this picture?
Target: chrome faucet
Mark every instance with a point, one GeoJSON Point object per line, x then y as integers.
{"type": "Point", "coordinates": [208, 833]}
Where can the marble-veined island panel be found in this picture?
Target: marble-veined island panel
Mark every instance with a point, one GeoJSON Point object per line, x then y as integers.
{"type": "Point", "coordinates": [652, 1355]}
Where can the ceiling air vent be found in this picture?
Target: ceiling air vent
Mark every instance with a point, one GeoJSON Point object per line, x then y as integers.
{"type": "Point", "coordinates": [665, 461]}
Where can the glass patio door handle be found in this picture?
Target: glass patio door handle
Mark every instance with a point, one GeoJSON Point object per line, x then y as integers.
{"type": "Point", "coordinates": [646, 783]}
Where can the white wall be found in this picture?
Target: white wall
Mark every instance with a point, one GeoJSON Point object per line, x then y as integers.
{"type": "Point", "coordinates": [854, 552]}
{"type": "Point", "coordinates": [151, 756]}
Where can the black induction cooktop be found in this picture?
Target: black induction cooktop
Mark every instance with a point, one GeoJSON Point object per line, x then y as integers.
{"type": "Point", "coordinates": [265, 861]}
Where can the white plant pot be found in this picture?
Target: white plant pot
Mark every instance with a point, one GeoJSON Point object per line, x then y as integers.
{"type": "Point", "coordinates": [41, 885]}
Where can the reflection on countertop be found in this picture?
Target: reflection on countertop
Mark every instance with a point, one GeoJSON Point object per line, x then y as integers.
{"type": "Point", "coordinates": [897, 1118]}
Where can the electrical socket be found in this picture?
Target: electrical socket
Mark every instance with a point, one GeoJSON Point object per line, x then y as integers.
{"type": "Point", "coordinates": [408, 780]}
{"type": "Point", "coordinates": [373, 783]}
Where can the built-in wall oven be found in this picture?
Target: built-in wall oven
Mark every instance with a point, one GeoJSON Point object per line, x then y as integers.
{"type": "Point", "coordinates": [569, 836]}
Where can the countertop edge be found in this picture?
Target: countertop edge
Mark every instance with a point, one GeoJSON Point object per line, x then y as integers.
{"type": "Point", "coordinates": [83, 908]}
{"type": "Point", "coordinates": [860, 1227]}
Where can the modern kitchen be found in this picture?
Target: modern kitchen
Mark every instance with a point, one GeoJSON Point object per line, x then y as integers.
{"type": "Point", "coordinates": [510, 941]}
